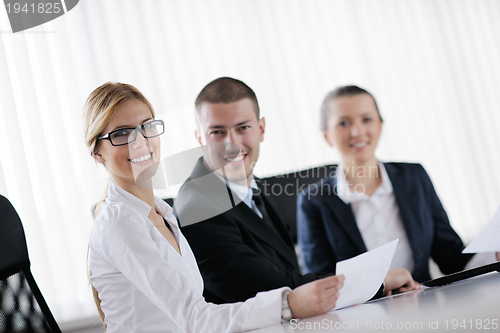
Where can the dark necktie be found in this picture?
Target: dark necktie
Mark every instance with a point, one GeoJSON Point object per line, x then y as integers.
{"type": "Point", "coordinates": [259, 202]}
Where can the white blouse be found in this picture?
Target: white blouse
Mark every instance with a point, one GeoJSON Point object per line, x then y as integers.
{"type": "Point", "coordinates": [378, 217]}
{"type": "Point", "coordinates": [146, 286]}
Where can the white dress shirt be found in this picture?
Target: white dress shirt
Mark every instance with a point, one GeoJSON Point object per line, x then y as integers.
{"type": "Point", "coordinates": [146, 286]}
{"type": "Point", "coordinates": [378, 217]}
{"type": "Point", "coordinates": [245, 193]}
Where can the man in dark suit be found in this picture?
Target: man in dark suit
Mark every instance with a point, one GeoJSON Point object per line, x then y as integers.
{"type": "Point", "coordinates": [239, 239]}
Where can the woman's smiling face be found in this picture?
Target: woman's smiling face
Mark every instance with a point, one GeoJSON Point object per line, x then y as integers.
{"type": "Point", "coordinates": [354, 127]}
{"type": "Point", "coordinates": [134, 161]}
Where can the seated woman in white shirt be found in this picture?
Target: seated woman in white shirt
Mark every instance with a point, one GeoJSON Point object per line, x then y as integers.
{"type": "Point", "coordinates": [367, 203]}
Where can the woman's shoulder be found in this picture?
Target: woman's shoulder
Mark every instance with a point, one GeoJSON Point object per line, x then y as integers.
{"type": "Point", "coordinates": [410, 172]}
{"type": "Point", "coordinates": [405, 166]}
{"type": "Point", "coordinates": [116, 223]}
{"type": "Point", "coordinates": [106, 219]}
{"type": "Point", "coordinates": [115, 217]}
{"type": "Point", "coordinates": [109, 214]}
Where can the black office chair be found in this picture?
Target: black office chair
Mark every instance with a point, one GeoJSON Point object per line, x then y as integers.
{"type": "Point", "coordinates": [22, 306]}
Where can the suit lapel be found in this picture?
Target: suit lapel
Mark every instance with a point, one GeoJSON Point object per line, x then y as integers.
{"type": "Point", "coordinates": [344, 216]}
{"type": "Point", "coordinates": [278, 221]}
{"type": "Point", "coordinates": [212, 187]}
{"type": "Point", "coordinates": [258, 227]}
{"type": "Point", "coordinates": [402, 191]}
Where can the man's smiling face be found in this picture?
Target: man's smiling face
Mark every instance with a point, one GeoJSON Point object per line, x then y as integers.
{"type": "Point", "coordinates": [232, 133]}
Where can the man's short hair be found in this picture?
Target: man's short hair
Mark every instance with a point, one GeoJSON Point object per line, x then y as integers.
{"type": "Point", "coordinates": [226, 90]}
{"type": "Point", "coordinates": [337, 93]}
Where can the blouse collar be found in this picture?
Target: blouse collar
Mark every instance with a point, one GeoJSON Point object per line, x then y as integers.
{"type": "Point", "coordinates": [118, 194]}
{"type": "Point", "coordinates": [348, 196]}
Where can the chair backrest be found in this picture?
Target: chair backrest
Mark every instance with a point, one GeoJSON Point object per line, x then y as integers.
{"type": "Point", "coordinates": [22, 306]}
{"type": "Point", "coordinates": [13, 250]}
{"type": "Point", "coordinates": [285, 189]}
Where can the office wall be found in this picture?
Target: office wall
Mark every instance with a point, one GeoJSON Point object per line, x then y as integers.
{"type": "Point", "coordinates": [432, 65]}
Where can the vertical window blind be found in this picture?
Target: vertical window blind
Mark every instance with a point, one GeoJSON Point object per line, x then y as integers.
{"type": "Point", "coordinates": [432, 65]}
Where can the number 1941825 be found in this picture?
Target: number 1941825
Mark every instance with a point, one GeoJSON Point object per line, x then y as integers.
{"type": "Point", "coordinates": [478, 324]}
{"type": "Point", "coordinates": [40, 8]}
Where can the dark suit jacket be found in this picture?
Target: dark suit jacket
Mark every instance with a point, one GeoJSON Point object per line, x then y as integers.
{"type": "Point", "coordinates": [237, 253]}
{"type": "Point", "coordinates": [327, 230]}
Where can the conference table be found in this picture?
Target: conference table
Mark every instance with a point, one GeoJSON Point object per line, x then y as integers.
{"type": "Point", "coordinates": [471, 305]}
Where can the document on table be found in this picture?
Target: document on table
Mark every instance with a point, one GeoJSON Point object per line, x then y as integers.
{"type": "Point", "coordinates": [364, 274]}
{"type": "Point", "coordinates": [489, 239]}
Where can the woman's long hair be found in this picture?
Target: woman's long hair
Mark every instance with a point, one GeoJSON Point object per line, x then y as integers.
{"type": "Point", "coordinates": [98, 111]}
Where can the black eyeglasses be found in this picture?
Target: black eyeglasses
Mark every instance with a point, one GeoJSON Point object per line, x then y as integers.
{"type": "Point", "coordinates": [124, 136]}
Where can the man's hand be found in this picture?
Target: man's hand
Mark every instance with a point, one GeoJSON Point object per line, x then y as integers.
{"type": "Point", "coordinates": [399, 280]}
{"type": "Point", "coordinates": [498, 256]}
{"type": "Point", "coordinates": [315, 298]}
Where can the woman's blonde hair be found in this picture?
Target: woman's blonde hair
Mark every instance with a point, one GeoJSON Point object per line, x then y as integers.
{"type": "Point", "coordinates": [98, 111]}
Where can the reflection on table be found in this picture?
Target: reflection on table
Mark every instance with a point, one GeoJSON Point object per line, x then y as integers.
{"type": "Point", "coordinates": [472, 305]}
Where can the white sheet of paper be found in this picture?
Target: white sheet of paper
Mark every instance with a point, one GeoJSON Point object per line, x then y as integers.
{"type": "Point", "coordinates": [489, 239]}
{"type": "Point", "coordinates": [364, 274]}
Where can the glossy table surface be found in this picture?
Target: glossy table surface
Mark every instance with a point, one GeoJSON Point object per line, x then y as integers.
{"type": "Point", "coordinates": [471, 305]}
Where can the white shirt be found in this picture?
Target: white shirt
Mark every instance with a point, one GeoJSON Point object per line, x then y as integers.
{"type": "Point", "coordinates": [245, 193]}
{"type": "Point", "coordinates": [146, 286]}
{"type": "Point", "coordinates": [378, 217]}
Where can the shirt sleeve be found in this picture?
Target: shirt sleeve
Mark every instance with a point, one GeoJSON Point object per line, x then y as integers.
{"type": "Point", "coordinates": [127, 245]}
